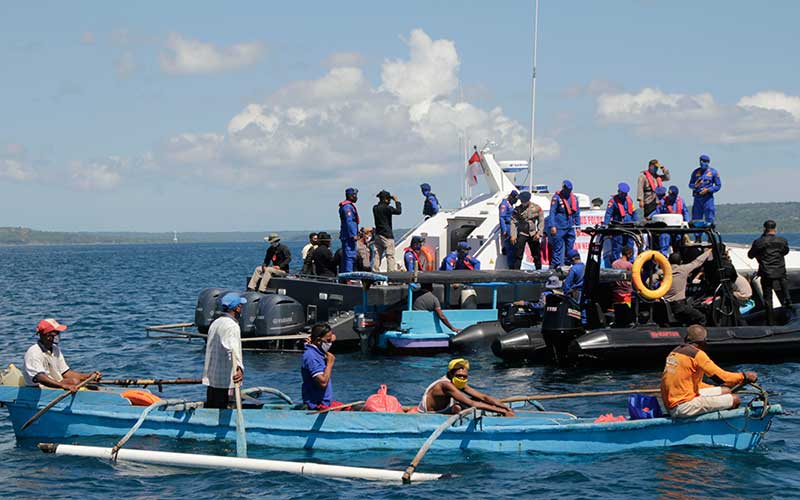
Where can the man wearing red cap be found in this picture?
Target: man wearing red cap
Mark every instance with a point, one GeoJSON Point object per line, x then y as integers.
{"type": "Point", "coordinates": [44, 363]}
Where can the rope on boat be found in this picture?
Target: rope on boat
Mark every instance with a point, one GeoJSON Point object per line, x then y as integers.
{"type": "Point", "coordinates": [433, 437]}
{"type": "Point", "coordinates": [178, 403]}
{"type": "Point", "coordinates": [257, 391]}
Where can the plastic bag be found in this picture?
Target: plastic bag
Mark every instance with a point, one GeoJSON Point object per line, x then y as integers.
{"type": "Point", "coordinates": [382, 402]}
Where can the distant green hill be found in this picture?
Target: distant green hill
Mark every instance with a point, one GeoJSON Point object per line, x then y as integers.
{"type": "Point", "coordinates": [731, 218]}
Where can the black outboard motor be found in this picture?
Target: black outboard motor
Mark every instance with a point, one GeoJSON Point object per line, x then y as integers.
{"type": "Point", "coordinates": [561, 324]}
{"type": "Point", "coordinates": [247, 321]}
{"type": "Point", "coordinates": [278, 315]}
{"type": "Point", "coordinates": [207, 309]}
{"type": "Point", "coordinates": [513, 316]}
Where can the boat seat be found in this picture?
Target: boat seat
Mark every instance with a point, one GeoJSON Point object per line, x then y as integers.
{"type": "Point", "coordinates": [428, 321]}
{"type": "Point", "coordinates": [662, 313]}
{"type": "Point", "coordinates": [623, 315]}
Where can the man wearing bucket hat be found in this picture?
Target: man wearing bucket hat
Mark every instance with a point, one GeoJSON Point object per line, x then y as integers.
{"type": "Point", "coordinates": [223, 363]}
{"type": "Point", "coordinates": [276, 263]}
{"type": "Point", "coordinates": [704, 182]}
{"type": "Point", "coordinates": [44, 363]}
{"type": "Point", "coordinates": [452, 393]}
{"type": "Point", "coordinates": [620, 209]}
{"type": "Point", "coordinates": [682, 387]}
{"type": "Point", "coordinates": [348, 229]}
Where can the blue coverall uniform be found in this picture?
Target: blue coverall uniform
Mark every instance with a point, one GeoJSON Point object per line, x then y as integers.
{"type": "Point", "coordinates": [619, 210]}
{"type": "Point", "coordinates": [348, 217]}
{"type": "Point", "coordinates": [505, 210]}
{"type": "Point", "coordinates": [564, 215]}
{"type": "Point", "coordinates": [431, 206]}
{"type": "Point", "coordinates": [669, 205]}
{"type": "Point", "coordinates": [454, 261]}
{"type": "Point", "coordinates": [703, 205]}
{"type": "Point", "coordinates": [573, 283]}
{"type": "Point", "coordinates": [411, 260]}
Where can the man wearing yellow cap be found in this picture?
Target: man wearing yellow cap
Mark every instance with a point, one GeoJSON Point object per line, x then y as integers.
{"type": "Point", "coordinates": [451, 394]}
{"type": "Point", "coordinates": [45, 365]}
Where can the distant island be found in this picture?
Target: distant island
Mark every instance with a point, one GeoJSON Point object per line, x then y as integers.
{"type": "Point", "coordinates": [731, 218]}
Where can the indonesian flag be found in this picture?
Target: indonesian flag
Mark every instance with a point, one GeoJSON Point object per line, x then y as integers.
{"type": "Point", "coordinates": [474, 169]}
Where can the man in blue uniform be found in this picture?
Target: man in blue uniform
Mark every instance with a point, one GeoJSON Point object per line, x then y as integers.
{"type": "Point", "coordinates": [573, 283]}
{"type": "Point", "coordinates": [671, 204]}
{"type": "Point", "coordinates": [704, 182]}
{"type": "Point", "coordinates": [564, 215]}
{"type": "Point", "coordinates": [431, 206]}
{"type": "Point", "coordinates": [506, 208]}
{"type": "Point", "coordinates": [620, 209]}
{"type": "Point", "coordinates": [411, 256]}
{"type": "Point", "coordinates": [460, 259]}
{"type": "Point", "coordinates": [348, 231]}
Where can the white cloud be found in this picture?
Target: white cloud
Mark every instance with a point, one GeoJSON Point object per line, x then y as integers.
{"type": "Point", "coordinates": [87, 38]}
{"type": "Point", "coordinates": [184, 56]}
{"type": "Point", "coordinates": [125, 66]}
{"type": "Point", "coordinates": [763, 117]}
{"type": "Point", "coordinates": [13, 163]}
{"type": "Point", "coordinates": [344, 59]}
{"type": "Point", "coordinates": [98, 175]}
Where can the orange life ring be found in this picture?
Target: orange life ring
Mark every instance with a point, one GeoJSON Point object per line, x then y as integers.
{"type": "Point", "coordinates": [140, 397]}
{"type": "Point", "coordinates": [430, 260]}
{"type": "Point", "coordinates": [636, 274]}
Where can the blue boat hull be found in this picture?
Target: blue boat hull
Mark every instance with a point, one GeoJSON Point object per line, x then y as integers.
{"type": "Point", "coordinates": [91, 415]}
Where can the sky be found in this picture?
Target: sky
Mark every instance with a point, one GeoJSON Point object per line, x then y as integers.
{"type": "Point", "coordinates": [250, 116]}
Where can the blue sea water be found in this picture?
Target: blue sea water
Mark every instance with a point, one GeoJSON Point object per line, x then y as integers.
{"type": "Point", "coordinates": [109, 293]}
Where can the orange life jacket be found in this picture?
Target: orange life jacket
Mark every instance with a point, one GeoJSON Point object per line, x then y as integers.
{"type": "Point", "coordinates": [654, 182]}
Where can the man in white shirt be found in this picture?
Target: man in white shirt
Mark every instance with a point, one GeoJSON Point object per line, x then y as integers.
{"type": "Point", "coordinates": [44, 363]}
{"type": "Point", "coordinates": [224, 352]}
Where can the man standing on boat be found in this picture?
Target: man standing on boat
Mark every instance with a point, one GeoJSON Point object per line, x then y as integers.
{"type": "Point", "coordinates": [506, 208]}
{"type": "Point", "coordinates": [704, 182]}
{"type": "Point", "coordinates": [348, 230]}
{"type": "Point", "coordinates": [276, 263]}
{"type": "Point", "coordinates": [224, 367]}
{"type": "Point", "coordinates": [451, 394]}
{"type": "Point", "coordinates": [316, 368]}
{"type": "Point", "coordinates": [682, 387]}
{"type": "Point", "coordinates": [305, 253]}
{"type": "Point", "coordinates": [620, 209]}
{"type": "Point", "coordinates": [770, 251]}
{"type": "Point", "coordinates": [565, 215]}
{"type": "Point", "coordinates": [384, 236]}
{"type": "Point", "coordinates": [527, 224]}
{"type": "Point", "coordinates": [672, 203]}
{"type": "Point", "coordinates": [431, 206]}
{"type": "Point", "coordinates": [323, 261]}
{"type": "Point", "coordinates": [44, 363]}
{"type": "Point", "coordinates": [650, 180]}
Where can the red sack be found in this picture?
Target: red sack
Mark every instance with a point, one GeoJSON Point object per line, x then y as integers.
{"type": "Point", "coordinates": [382, 402]}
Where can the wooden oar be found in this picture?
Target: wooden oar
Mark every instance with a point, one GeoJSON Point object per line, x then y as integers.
{"type": "Point", "coordinates": [56, 401]}
{"type": "Point", "coordinates": [241, 437]}
{"type": "Point", "coordinates": [150, 381]}
{"type": "Point", "coordinates": [333, 408]}
{"type": "Point", "coordinates": [427, 444]}
{"type": "Point", "coordinates": [540, 397]}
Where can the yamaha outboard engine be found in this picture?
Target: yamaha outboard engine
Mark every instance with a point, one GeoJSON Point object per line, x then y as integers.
{"type": "Point", "coordinates": [207, 309]}
{"type": "Point", "coordinates": [247, 320]}
{"type": "Point", "coordinates": [513, 316]}
{"type": "Point", "coordinates": [278, 315]}
{"type": "Point", "coordinates": [561, 324]}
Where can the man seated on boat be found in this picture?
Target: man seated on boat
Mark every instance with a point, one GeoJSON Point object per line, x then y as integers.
{"type": "Point", "coordinates": [682, 387]}
{"type": "Point", "coordinates": [316, 368]}
{"type": "Point", "coordinates": [573, 283]}
{"type": "Point", "coordinates": [276, 263]}
{"type": "Point", "coordinates": [427, 301]}
{"type": "Point", "coordinates": [223, 352]}
{"type": "Point", "coordinates": [451, 394]}
{"type": "Point", "coordinates": [44, 364]}
{"type": "Point", "coordinates": [460, 259]}
{"type": "Point", "coordinates": [323, 261]}
{"type": "Point", "coordinates": [682, 309]}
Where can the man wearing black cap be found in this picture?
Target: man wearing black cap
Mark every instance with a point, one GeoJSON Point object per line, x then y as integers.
{"type": "Point", "coordinates": [527, 224]}
{"type": "Point", "coordinates": [682, 388]}
{"type": "Point", "coordinates": [769, 250]}
{"type": "Point", "coordinates": [384, 237]}
{"type": "Point", "coordinates": [411, 254]}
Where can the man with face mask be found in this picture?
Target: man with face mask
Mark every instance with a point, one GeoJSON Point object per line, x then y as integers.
{"type": "Point", "coordinates": [620, 209]}
{"type": "Point", "coordinates": [505, 208]}
{"type": "Point", "coordinates": [316, 368]}
{"type": "Point", "coordinates": [276, 263]}
{"type": "Point", "coordinates": [431, 205]}
{"type": "Point", "coordinates": [682, 388]}
{"type": "Point", "coordinates": [223, 366]}
{"type": "Point", "coordinates": [451, 394]}
{"type": "Point", "coordinates": [527, 224]}
{"type": "Point", "coordinates": [564, 215]}
{"type": "Point", "coordinates": [44, 364]}
{"type": "Point", "coordinates": [411, 254]}
{"type": "Point", "coordinates": [650, 180]}
{"type": "Point", "coordinates": [704, 182]}
{"type": "Point", "coordinates": [671, 204]}
{"type": "Point", "coordinates": [348, 230]}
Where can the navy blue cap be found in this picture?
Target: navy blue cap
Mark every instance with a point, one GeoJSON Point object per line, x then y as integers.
{"type": "Point", "coordinates": [463, 245]}
{"type": "Point", "coordinates": [231, 300]}
{"type": "Point", "coordinates": [573, 254]}
{"type": "Point", "coordinates": [661, 191]}
{"type": "Point", "coordinates": [514, 193]}
{"type": "Point", "coordinates": [425, 186]}
{"type": "Point", "coordinates": [567, 184]}
{"type": "Point", "coordinates": [417, 239]}
{"type": "Point", "coordinates": [350, 190]}
{"type": "Point", "coordinates": [704, 158]}
{"type": "Point", "coordinates": [673, 190]}
{"type": "Point", "coordinates": [525, 196]}
{"type": "Point", "coordinates": [623, 187]}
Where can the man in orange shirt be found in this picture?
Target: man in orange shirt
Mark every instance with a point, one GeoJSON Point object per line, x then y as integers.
{"type": "Point", "coordinates": [682, 387]}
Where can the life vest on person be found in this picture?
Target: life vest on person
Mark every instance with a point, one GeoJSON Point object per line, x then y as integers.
{"type": "Point", "coordinates": [382, 402]}
{"type": "Point", "coordinates": [621, 207]}
{"type": "Point", "coordinates": [571, 207]}
{"type": "Point", "coordinates": [678, 206]}
{"type": "Point", "coordinates": [355, 210]}
{"type": "Point", "coordinates": [427, 209]}
{"type": "Point", "coordinates": [416, 256]}
{"type": "Point", "coordinates": [467, 264]}
{"type": "Point", "coordinates": [139, 397]}
{"type": "Point", "coordinates": [653, 181]}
